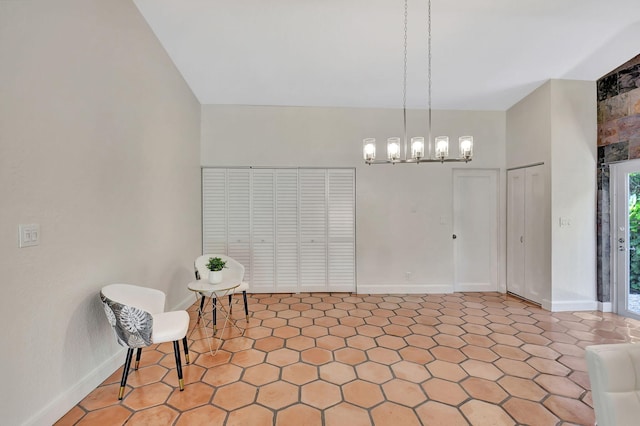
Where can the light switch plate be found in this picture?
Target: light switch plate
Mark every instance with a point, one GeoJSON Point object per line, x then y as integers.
{"type": "Point", "coordinates": [29, 235]}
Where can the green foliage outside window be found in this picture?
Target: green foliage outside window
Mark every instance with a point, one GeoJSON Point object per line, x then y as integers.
{"type": "Point", "coordinates": [634, 233]}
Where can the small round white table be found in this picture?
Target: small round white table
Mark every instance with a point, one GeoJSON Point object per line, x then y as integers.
{"type": "Point", "coordinates": [214, 292]}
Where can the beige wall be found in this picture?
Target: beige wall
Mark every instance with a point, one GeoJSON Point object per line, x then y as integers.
{"type": "Point", "coordinates": [398, 208]}
{"type": "Point", "coordinates": [573, 171]}
{"type": "Point", "coordinates": [556, 124]}
{"type": "Point", "coordinates": [99, 144]}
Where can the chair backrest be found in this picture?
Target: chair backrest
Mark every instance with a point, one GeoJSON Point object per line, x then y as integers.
{"type": "Point", "coordinates": [614, 373]}
{"type": "Point", "coordinates": [233, 267]}
{"type": "Point", "coordinates": [129, 310]}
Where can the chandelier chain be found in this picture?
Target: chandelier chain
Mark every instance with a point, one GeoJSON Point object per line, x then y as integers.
{"type": "Point", "coordinates": [404, 85]}
{"type": "Point", "coordinates": [429, 67]}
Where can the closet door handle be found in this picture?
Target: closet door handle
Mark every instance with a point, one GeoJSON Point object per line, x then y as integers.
{"type": "Point", "coordinates": [521, 239]}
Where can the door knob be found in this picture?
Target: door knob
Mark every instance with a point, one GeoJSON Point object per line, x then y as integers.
{"type": "Point", "coordinates": [454, 236]}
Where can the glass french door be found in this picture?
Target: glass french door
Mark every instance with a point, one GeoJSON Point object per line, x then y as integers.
{"type": "Point", "coordinates": [625, 232]}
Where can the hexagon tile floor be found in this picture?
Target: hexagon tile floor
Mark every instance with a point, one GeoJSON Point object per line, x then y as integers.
{"type": "Point", "coordinates": [343, 359]}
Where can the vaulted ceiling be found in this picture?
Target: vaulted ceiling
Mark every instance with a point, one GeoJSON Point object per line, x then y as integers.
{"type": "Point", "coordinates": [487, 55]}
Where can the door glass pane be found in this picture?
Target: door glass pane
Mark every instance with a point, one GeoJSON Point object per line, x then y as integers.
{"type": "Point", "coordinates": [633, 301]}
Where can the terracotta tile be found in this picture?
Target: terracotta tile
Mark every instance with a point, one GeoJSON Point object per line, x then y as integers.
{"type": "Point", "coordinates": [477, 340]}
{"type": "Point", "coordinates": [337, 373]}
{"type": "Point", "coordinates": [268, 344]}
{"type": "Point", "coordinates": [261, 374]}
{"type": "Point", "coordinates": [237, 344]}
{"type": "Point", "coordinates": [436, 414]}
{"type": "Point", "coordinates": [235, 395]}
{"type": "Point", "coordinates": [548, 366]}
{"type": "Point", "coordinates": [148, 375]}
{"type": "Point", "coordinates": [252, 414]}
{"type": "Point", "coordinates": [361, 342]}
{"type": "Point", "coordinates": [574, 363]}
{"type": "Point", "coordinates": [370, 330]}
{"type": "Point", "coordinates": [444, 391]}
{"type": "Point", "coordinates": [320, 394]}
{"type": "Point", "coordinates": [481, 413]}
{"type": "Point", "coordinates": [570, 410]}
{"type": "Point", "coordinates": [222, 375]}
{"type": "Point", "coordinates": [282, 357]}
{"type": "Point", "coordinates": [567, 349]}
{"type": "Point", "coordinates": [476, 329]}
{"type": "Point", "coordinates": [160, 415]}
{"type": "Point", "coordinates": [205, 415]}
{"type": "Point", "coordinates": [326, 321]}
{"type": "Point", "coordinates": [314, 331]}
{"type": "Point", "coordinates": [362, 394]}
{"type": "Point", "coordinates": [383, 355]}
{"type": "Point", "coordinates": [103, 396]}
{"type": "Point", "coordinates": [190, 374]}
{"type": "Point", "coordinates": [533, 339]}
{"type": "Point", "coordinates": [389, 413]}
{"type": "Point", "coordinates": [373, 372]}
{"type": "Point", "coordinates": [277, 395]}
{"type": "Point", "coordinates": [274, 322]}
{"type": "Point", "coordinates": [147, 396]}
{"type": "Point", "coordinates": [403, 392]}
{"type": "Point", "coordinates": [248, 358]}
{"type": "Point", "coordinates": [484, 370]}
{"type": "Point", "coordinates": [194, 395]}
{"type": "Point", "coordinates": [559, 385]}
{"type": "Point", "coordinates": [342, 331]}
{"type": "Point", "coordinates": [350, 356]}
{"type": "Point", "coordinates": [506, 339]}
{"type": "Point", "coordinates": [300, 373]}
{"type": "Point", "coordinates": [298, 414]}
{"type": "Point", "coordinates": [337, 414]}
{"type": "Point", "coordinates": [391, 342]}
{"type": "Point", "coordinates": [300, 343]}
{"type": "Point", "coordinates": [540, 351]}
{"type": "Point", "coordinates": [479, 353]}
{"type": "Point", "coordinates": [207, 360]}
{"type": "Point", "coordinates": [516, 368]}
{"type": "Point", "coordinates": [522, 388]}
{"type": "Point", "coordinates": [510, 352]}
{"type": "Point", "coordinates": [485, 390]}
{"type": "Point", "coordinates": [396, 330]}
{"type": "Point", "coordinates": [312, 313]}
{"type": "Point", "coordinates": [114, 415]}
{"type": "Point", "coordinates": [452, 330]}
{"type": "Point", "coordinates": [581, 378]}
{"type": "Point", "coordinates": [410, 371]}
{"type": "Point", "coordinates": [286, 332]}
{"type": "Point", "coordinates": [447, 340]}
{"type": "Point", "coordinates": [417, 355]}
{"type": "Point", "coordinates": [316, 356]}
{"type": "Point", "coordinates": [300, 322]}
{"type": "Point", "coordinates": [377, 321]}
{"type": "Point", "coordinates": [71, 418]}
{"type": "Point", "coordinates": [446, 370]}
{"type": "Point", "coordinates": [444, 353]}
{"type": "Point", "coordinates": [360, 313]}
{"type": "Point", "coordinates": [453, 318]}
{"type": "Point", "coordinates": [330, 342]}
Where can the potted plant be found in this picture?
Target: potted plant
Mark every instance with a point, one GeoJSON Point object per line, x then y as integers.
{"type": "Point", "coordinates": [215, 266]}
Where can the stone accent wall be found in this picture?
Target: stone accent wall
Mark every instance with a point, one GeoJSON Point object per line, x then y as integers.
{"type": "Point", "coordinates": [618, 140]}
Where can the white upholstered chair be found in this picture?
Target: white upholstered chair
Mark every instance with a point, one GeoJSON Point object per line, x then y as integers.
{"type": "Point", "coordinates": [138, 320]}
{"type": "Point", "coordinates": [614, 372]}
{"type": "Point", "coordinates": [234, 270]}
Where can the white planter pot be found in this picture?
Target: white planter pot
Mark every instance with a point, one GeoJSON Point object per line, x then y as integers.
{"type": "Point", "coordinates": [215, 277]}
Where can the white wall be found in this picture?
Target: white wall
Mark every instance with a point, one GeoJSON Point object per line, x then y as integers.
{"type": "Point", "coordinates": [398, 208]}
{"type": "Point", "coordinates": [556, 124]}
{"type": "Point", "coordinates": [573, 196]}
{"type": "Point", "coordinates": [99, 144]}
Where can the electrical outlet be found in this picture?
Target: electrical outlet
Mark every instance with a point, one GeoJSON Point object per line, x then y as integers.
{"type": "Point", "coordinates": [407, 276]}
{"type": "Point", "coordinates": [28, 235]}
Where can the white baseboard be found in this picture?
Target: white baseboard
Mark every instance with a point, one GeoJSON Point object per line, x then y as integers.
{"type": "Point", "coordinates": [405, 289]}
{"type": "Point", "coordinates": [570, 305]}
{"type": "Point", "coordinates": [64, 402]}
{"type": "Point", "coordinates": [605, 307]}
{"type": "Point", "coordinates": [186, 303]}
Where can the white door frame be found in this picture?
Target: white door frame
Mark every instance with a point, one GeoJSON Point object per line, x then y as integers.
{"type": "Point", "coordinates": [494, 174]}
{"type": "Point", "coordinates": [619, 235]}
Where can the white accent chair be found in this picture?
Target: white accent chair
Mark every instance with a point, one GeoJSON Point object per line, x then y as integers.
{"type": "Point", "coordinates": [138, 320]}
{"type": "Point", "coordinates": [233, 270]}
{"type": "Point", "coordinates": [614, 372]}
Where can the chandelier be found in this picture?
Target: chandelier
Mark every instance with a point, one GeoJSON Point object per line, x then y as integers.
{"type": "Point", "coordinates": [417, 154]}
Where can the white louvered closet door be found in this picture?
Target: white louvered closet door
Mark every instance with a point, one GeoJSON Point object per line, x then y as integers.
{"type": "Point", "coordinates": [239, 218]}
{"type": "Point", "coordinates": [263, 230]}
{"type": "Point", "coordinates": [287, 254]}
{"type": "Point", "coordinates": [313, 229]}
{"type": "Point", "coordinates": [341, 230]}
{"type": "Point", "coordinates": [214, 211]}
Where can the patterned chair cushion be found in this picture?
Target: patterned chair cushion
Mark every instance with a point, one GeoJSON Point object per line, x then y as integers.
{"type": "Point", "coordinates": [132, 326]}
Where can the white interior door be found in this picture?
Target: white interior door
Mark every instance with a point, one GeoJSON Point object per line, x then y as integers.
{"type": "Point", "coordinates": [536, 257]}
{"type": "Point", "coordinates": [625, 234]}
{"type": "Point", "coordinates": [515, 231]}
{"type": "Point", "coordinates": [475, 227]}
